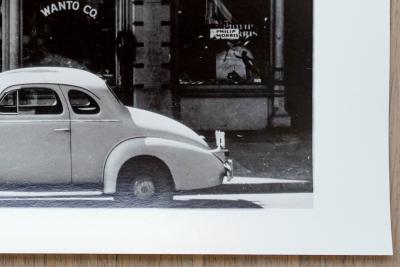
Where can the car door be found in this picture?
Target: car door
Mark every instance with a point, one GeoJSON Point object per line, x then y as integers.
{"type": "Point", "coordinates": [35, 135]}
{"type": "Point", "coordinates": [96, 129]}
{"type": "Point", "coordinates": [87, 136]}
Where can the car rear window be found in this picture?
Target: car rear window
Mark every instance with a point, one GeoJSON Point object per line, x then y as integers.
{"type": "Point", "coordinates": [82, 103]}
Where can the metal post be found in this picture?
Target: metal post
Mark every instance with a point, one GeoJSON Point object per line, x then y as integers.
{"type": "Point", "coordinates": [5, 34]}
{"type": "Point", "coordinates": [12, 34]}
{"type": "Point", "coordinates": [280, 117]}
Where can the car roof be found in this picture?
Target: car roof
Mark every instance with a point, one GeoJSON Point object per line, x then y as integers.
{"type": "Point", "coordinates": [51, 75]}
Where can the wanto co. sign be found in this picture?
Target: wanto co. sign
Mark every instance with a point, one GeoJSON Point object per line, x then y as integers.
{"type": "Point", "coordinates": [69, 6]}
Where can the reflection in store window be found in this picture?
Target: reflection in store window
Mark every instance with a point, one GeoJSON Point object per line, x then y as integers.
{"type": "Point", "coordinates": [223, 41]}
{"type": "Point", "coordinates": [78, 34]}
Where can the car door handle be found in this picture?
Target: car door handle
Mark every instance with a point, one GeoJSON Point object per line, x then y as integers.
{"type": "Point", "coordinates": [62, 130]}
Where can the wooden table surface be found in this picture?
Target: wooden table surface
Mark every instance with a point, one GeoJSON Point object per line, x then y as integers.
{"type": "Point", "coordinates": [250, 261]}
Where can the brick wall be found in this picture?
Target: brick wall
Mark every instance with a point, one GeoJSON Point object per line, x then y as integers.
{"type": "Point", "coordinates": [152, 28]}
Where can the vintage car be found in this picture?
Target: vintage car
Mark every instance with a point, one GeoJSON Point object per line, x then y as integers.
{"type": "Point", "coordinates": [66, 126]}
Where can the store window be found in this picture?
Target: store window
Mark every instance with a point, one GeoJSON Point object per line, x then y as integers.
{"type": "Point", "coordinates": [223, 41]}
{"type": "Point", "coordinates": [78, 34]}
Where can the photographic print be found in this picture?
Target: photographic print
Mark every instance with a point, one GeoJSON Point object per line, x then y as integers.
{"type": "Point", "coordinates": [175, 104]}
{"type": "Point", "coordinates": [195, 127]}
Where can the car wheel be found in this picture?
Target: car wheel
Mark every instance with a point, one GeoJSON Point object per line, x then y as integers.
{"type": "Point", "coordinates": [146, 186]}
{"type": "Point", "coordinates": [144, 180]}
{"type": "Point", "coordinates": [143, 187]}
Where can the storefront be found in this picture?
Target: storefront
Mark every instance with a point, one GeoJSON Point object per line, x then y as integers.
{"type": "Point", "coordinates": [78, 34]}
{"type": "Point", "coordinates": [224, 63]}
{"type": "Point", "coordinates": [210, 63]}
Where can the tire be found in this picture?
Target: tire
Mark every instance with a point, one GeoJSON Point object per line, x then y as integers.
{"type": "Point", "coordinates": [146, 186]}
{"type": "Point", "coordinates": [146, 182]}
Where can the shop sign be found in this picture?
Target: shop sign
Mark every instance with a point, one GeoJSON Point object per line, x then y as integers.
{"type": "Point", "coordinates": [224, 34]}
{"type": "Point", "coordinates": [233, 32]}
{"type": "Point", "coordinates": [69, 6]}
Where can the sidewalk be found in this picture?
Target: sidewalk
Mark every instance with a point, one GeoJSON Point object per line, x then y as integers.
{"type": "Point", "coordinates": [276, 154]}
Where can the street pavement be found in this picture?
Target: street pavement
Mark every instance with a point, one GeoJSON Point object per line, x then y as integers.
{"type": "Point", "coordinates": [236, 193]}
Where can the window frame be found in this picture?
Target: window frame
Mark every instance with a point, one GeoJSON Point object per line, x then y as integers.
{"type": "Point", "coordinates": [31, 86]}
{"type": "Point", "coordinates": [5, 94]}
{"type": "Point", "coordinates": [86, 92]}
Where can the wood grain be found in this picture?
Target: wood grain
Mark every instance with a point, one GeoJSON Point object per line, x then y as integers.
{"type": "Point", "coordinates": [262, 261]}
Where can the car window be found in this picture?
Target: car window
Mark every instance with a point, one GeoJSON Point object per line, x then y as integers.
{"type": "Point", "coordinates": [82, 103]}
{"type": "Point", "coordinates": [38, 101]}
{"type": "Point", "coordinates": [8, 104]}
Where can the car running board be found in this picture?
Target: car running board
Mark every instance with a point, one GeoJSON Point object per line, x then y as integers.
{"type": "Point", "coordinates": [52, 192]}
{"type": "Point", "coordinates": [21, 194]}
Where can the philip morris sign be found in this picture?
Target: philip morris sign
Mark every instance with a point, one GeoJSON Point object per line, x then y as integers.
{"type": "Point", "coordinates": [224, 34]}
{"type": "Point", "coordinates": [69, 6]}
{"type": "Point", "coordinates": [233, 32]}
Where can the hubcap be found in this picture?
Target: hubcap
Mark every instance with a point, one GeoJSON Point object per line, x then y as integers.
{"type": "Point", "coordinates": [143, 188]}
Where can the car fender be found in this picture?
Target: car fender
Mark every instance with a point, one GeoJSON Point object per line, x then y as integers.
{"type": "Point", "coordinates": [191, 167]}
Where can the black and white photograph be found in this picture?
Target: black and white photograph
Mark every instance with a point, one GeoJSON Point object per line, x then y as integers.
{"type": "Point", "coordinates": [156, 104]}
{"type": "Point", "coordinates": [248, 127]}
